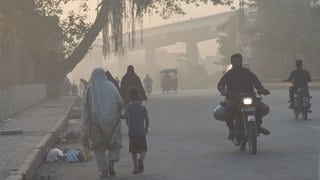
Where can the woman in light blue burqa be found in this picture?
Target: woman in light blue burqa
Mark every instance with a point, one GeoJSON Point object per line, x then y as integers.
{"type": "Point", "coordinates": [101, 124]}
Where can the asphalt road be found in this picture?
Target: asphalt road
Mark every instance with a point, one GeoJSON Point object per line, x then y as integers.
{"type": "Point", "coordinates": [185, 142]}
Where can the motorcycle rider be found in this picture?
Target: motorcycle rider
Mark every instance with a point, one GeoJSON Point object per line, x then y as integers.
{"type": "Point", "coordinates": [299, 78]}
{"type": "Point", "coordinates": [148, 83]}
{"type": "Point", "coordinates": [240, 80]}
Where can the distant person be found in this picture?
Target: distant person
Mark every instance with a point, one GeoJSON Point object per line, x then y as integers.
{"type": "Point", "coordinates": [138, 123]}
{"type": "Point", "coordinates": [148, 84]}
{"type": "Point", "coordinates": [117, 79]}
{"type": "Point", "coordinates": [81, 89]}
{"type": "Point", "coordinates": [128, 81]}
{"type": "Point", "coordinates": [299, 78]}
{"type": "Point", "coordinates": [66, 87]}
{"type": "Point", "coordinates": [74, 89]}
{"type": "Point", "coordinates": [101, 124]}
{"type": "Point", "coordinates": [114, 81]}
{"type": "Point", "coordinates": [83, 85]}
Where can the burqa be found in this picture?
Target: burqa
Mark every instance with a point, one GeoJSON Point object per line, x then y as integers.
{"type": "Point", "coordinates": [101, 123]}
{"type": "Point", "coordinates": [114, 81]}
{"type": "Point", "coordinates": [128, 81]}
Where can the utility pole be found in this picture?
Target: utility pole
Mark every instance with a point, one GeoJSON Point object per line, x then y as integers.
{"type": "Point", "coordinates": [241, 15]}
{"type": "Point", "coordinates": [241, 22]}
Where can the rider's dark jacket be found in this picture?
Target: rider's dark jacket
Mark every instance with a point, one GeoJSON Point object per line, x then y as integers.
{"type": "Point", "coordinates": [239, 80]}
{"type": "Point", "coordinates": [299, 77]}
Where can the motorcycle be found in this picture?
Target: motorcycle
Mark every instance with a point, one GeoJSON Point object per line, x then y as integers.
{"type": "Point", "coordinates": [246, 131]}
{"type": "Point", "coordinates": [301, 104]}
{"type": "Point", "coordinates": [148, 89]}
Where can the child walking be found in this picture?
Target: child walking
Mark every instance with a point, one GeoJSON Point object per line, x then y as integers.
{"type": "Point", "coordinates": [138, 123]}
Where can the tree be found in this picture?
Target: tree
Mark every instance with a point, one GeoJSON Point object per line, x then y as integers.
{"type": "Point", "coordinates": [281, 32]}
{"type": "Point", "coordinates": [75, 35]}
{"type": "Point", "coordinates": [280, 26]}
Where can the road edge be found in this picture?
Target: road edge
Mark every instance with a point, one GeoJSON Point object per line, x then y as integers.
{"type": "Point", "coordinates": [31, 164]}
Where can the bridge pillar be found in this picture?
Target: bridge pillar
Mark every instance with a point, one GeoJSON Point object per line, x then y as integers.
{"type": "Point", "coordinates": [192, 52]}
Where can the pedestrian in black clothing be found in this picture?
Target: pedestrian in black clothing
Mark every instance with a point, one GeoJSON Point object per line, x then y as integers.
{"type": "Point", "coordinates": [131, 80]}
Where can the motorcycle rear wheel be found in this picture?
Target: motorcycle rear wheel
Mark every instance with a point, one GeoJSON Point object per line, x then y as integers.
{"type": "Point", "coordinates": [296, 113]}
{"type": "Point", "coordinates": [305, 114]}
{"type": "Point", "coordinates": [243, 146]}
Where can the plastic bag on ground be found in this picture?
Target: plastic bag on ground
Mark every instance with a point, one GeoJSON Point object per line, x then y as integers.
{"type": "Point", "coordinates": [54, 154]}
{"type": "Point", "coordinates": [72, 155]}
{"type": "Point", "coordinates": [75, 155]}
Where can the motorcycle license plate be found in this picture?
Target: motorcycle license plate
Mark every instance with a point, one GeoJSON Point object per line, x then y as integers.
{"type": "Point", "coordinates": [248, 109]}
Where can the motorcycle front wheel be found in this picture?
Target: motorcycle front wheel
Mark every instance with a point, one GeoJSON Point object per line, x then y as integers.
{"type": "Point", "coordinates": [252, 137]}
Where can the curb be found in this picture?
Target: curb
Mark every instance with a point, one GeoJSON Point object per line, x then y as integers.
{"type": "Point", "coordinates": [30, 166]}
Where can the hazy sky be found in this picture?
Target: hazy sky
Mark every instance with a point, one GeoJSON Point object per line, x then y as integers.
{"type": "Point", "coordinates": [154, 20]}
{"type": "Point", "coordinates": [191, 12]}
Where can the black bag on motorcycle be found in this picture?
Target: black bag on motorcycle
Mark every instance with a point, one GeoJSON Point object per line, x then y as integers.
{"type": "Point", "coordinates": [220, 112]}
{"type": "Point", "coordinates": [263, 109]}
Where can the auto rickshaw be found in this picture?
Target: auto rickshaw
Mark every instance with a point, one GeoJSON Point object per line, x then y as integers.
{"type": "Point", "coordinates": [169, 80]}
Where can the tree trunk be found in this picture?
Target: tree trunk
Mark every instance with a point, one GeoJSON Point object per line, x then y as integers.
{"type": "Point", "coordinates": [78, 54]}
{"type": "Point", "coordinates": [67, 65]}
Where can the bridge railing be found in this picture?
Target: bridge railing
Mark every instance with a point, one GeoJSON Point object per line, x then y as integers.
{"type": "Point", "coordinates": [16, 98]}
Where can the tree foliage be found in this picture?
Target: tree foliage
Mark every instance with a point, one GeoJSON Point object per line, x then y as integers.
{"type": "Point", "coordinates": [74, 26]}
{"type": "Point", "coordinates": [281, 32]}
{"type": "Point", "coordinates": [287, 31]}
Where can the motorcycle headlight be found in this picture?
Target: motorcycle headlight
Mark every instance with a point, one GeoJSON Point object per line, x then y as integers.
{"type": "Point", "coordinates": [247, 101]}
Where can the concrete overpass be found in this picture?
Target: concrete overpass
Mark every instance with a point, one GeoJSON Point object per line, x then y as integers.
{"type": "Point", "coordinates": [209, 23]}
{"type": "Point", "coordinates": [189, 32]}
